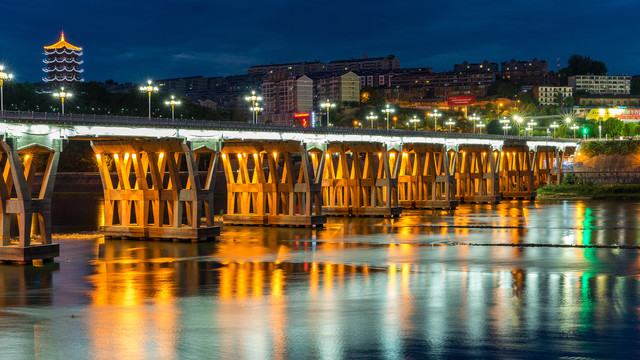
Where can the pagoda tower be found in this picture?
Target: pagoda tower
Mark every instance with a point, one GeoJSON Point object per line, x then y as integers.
{"type": "Point", "coordinates": [63, 61]}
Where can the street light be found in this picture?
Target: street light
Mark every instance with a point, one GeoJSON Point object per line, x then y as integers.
{"type": "Point", "coordinates": [371, 117]}
{"type": "Point", "coordinates": [62, 95]}
{"type": "Point", "coordinates": [149, 89]}
{"type": "Point", "coordinates": [255, 106]}
{"type": "Point", "coordinates": [450, 123]}
{"type": "Point", "coordinates": [388, 110]}
{"type": "Point", "coordinates": [415, 122]}
{"type": "Point", "coordinates": [481, 126]}
{"type": "Point", "coordinates": [574, 128]}
{"type": "Point", "coordinates": [3, 76]}
{"type": "Point", "coordinates": [328, 104]}
{"type": "Point", "coordinates": [435, 115]}
{"type": "Point", "coordinates": [601, 113]}
{"type": "Point", "coordinates": [554, 126]}
{"type": "Point", "coordinates": [474, 118]}
{"type": "Point", "coordinates": [531, 124]}
{"type": "Point", "coordinates": [173, 104]}
{"type": "Point", "coordinates": [519, 121]}
{"type": "Point", "coordinates": [504, 123]}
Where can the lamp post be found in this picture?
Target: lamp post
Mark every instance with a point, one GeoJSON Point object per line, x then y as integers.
{"type": "Point", "coordinates": [481, 126]}
{"type": "Point", "coordinates": [474, 118]}
{"type": "Point", "coordinates": [574, 128]}
{"type": "Point", "coordinates": [415, 122]}
{"type": "Point", "coordinates": [62, 95]}
{"type": "Point", "coordinates": [371, 117]}
{"type": "Point", "coordinates": [3, 76]}
{"type": "Point", "coordinates": [388, 110]}
{"type": "Point", "coordinates": [149, 89]}
{"type": "Point", "coordinates": [450, 123]}
{"type": "Point", "coordinates": [531, 124]}
{"type": "Point", "coordinates": [255, 106]}
{"type": "Point", "coordinates": [601, 113]}
{"type": "Point", "coordinates": [504, 123]}
{"type": "Point", "coordinates": [518, 121]}
{"type": "Point", "coordinates": [554, 126]}
{"type": "Point", "coordinates": [173, 104]}
{"type": "Point", "coordinates": [328, 105]}
{"type": "Point", "coordinates": [435, 115]}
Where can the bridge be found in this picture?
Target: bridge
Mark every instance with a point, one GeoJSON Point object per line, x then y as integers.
{"type": "Point", "coordinates": [158, 175]}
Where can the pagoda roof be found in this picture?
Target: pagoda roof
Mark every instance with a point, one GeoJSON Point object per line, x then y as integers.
{"type": "Point", "coordinates": [62, 44]}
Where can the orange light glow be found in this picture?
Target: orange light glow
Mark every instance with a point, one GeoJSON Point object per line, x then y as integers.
{"type": "Point", "coordinates": [133, 156]}
{"type": "Point", "coordinates": [161, 155]}
{"type": "Point", "coordinates": [62, 44]}
{"type": "Point", "coordinates": [115, 156]}
{"type": "Point", "coordinates": [98, 156]}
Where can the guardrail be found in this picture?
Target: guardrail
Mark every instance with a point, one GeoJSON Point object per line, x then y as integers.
{"type": "Point", "coordinates": [112, 120]}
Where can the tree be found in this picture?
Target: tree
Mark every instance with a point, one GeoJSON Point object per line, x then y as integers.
{"type": "Point", "coordinates": [495, 127]}
{"type": "Point", "coordinates": [580, 65]}
{"type": "Point", "coordinates": [612, 127]}
{"type": "Point", "coordinates": [503, 88]}
{"type": "Point", "coordinates": [629, 129]}
{"type": "Point", "coordinates": [635, 85]}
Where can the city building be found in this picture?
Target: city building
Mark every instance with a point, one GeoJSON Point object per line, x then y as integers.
{"type": "Point", "coordinates": [183, 85]}
{"type": "Point", "coordinates": [284, 97]}
{"type": "Point", "coordinates": [483, 67]}
{"type": "Point", "coordinates": [365, 64]}
{"type": "Point", "coordinates": [63, 63]}
{"type": "Point", "coordinates": [608, 100]}
{"type": "Point", "coordinates": [420, 85]}
{"type": "Point", "coordinates": [601, 84]}
{"type": "Point", "coordinates": [548, 95]}
{"type": "Point", "coordinates": [527, 72]}
{"type": "Point", "coordinates": [229, 92]}
{"type": "Point", "coordinates": [374, 79]}
{"type": "Point", "coordinates": [338, 87]}
{"type": "Point", "coordinates": [290, 69]}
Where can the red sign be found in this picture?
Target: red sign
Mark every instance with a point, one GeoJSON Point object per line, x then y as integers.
{"type": "Point", "coordinates": [629, 114]}
{"type": "Point", "coordinates": [303, 119]}
{"type": "Point", "coordinates": [461, 100]}
{"type": "Point", "coordinates": [301, 115]}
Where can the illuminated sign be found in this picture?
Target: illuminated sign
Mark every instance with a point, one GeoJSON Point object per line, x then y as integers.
{"type": "Point", "coordinates": [303, 119]}
{"type": "Point", "coordinates": [461, 100]}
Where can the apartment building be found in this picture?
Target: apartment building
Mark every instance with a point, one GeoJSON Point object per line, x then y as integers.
{"type": "Point", "coordinates": [365, 64]}
{"type": "Point", "coordinates": [483, 67]}
{"type": "Point", "coordinates": [290, 69]}
{"type": "Point", "coordinates": [285, 96]}
{"type": "Point", "coordinates": [601, 84]}
{"type": "Point", "coordinates": [548, 95]}
{"type": "Point", "coordinates": [338, 87]}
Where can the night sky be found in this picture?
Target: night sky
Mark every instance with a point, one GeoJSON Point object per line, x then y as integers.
{"type": "Point", "coordinates": [133, 41]}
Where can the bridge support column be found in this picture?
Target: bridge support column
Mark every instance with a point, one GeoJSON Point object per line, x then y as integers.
{"type": "Point", "coordinates": [477, 175]}
{"type": "Point", "coordinates": [360, 180]}
{"type": "Point", "coordinates": [424, 179]}
{"type": "Point", "coordinates": [547, 165]}
{"type": "Point", "coordinates": [18, 196]}
{"type": "Point", "coordinates": [516, 173]}
{"type": "Point", "coordinates": [149, 199]}
{"type": "Point", "coordinates": [287, 194]}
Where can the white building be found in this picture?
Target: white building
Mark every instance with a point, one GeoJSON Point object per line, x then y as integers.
{"type": "Point", "coordinates": [341, 88]}
{"type": "Point", "coordinates": [601, 84]}
{"type": "Point", "coordinates": [548, 95]}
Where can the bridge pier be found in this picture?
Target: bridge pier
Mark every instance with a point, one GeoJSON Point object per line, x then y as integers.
{"type": "Point", "coordinates": [547, 165]}
{"type": "Point", "coordinates": [284, 195]}
{"type": "Point", "coordinates": [157, 203]}
{"type": "Point", "coordinates": [425, 180]}
{"type": "Point", "coordinates": [18, 196]}
{"type": "Point", "coordinates": [477, 175]}
{"type": "Point", "coordinates": [358, 180]}
{"type": "Point", "coordinates": [516, 173]}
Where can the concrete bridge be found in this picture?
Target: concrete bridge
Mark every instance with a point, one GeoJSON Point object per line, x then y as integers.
{"type": "Point", "coordinates": [158, 174]}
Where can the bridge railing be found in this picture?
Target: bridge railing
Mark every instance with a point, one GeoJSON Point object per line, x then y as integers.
{"type": "Point", "coordinates": [112, 120]}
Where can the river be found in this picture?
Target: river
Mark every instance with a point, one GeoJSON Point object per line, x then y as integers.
{"type": "Point", "coordinates": [517, 280]}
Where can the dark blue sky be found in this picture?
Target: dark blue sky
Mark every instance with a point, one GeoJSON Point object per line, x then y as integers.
{"type": "Point", "coordinates": [132, 41]}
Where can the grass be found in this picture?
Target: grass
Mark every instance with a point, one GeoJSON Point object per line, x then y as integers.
{"type": "Point", "coordinates": [590, 191]}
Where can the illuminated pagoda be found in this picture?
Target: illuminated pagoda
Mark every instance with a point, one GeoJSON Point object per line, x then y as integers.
{"type": "Point", "coordinates": [63, 61]}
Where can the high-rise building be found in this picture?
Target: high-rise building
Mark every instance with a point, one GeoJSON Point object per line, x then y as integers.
{"type": "Point", "coordinates": [340, 87]}
{"type": "Point", "coordinates": [63, 63]}
{"type": "Point", "coordinates": [483, 67]}
{"type": "Point", "coordinates": [548, 95]}
{"type": "Point", "coordinates": [284, 97]}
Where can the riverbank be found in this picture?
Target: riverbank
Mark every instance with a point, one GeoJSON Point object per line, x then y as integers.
{"type": "Point", "coordinates": [590, 191]}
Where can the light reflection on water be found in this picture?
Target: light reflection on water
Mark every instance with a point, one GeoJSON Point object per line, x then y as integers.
{"type": "Point", "coordinates": [374, 288]}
